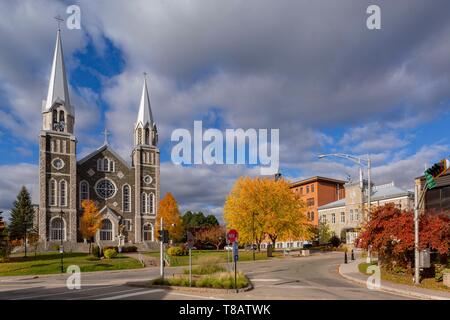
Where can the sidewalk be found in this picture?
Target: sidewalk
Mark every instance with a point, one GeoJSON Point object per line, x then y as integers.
{"type": "Point", "coordinates": [350, 271]}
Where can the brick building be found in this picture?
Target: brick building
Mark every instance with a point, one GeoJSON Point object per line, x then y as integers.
{"type": "Point", "coordinates": [318, 191]}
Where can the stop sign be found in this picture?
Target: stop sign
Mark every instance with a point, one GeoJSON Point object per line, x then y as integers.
{"type": "Point", "coordinates": [232, 236]}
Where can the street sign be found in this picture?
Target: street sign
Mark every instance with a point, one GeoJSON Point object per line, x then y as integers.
{"type": "Point", "coordinates": [424, 258]}
{"type": "Point", "coordinates": [235, 251]}
{"type": "Point", "coordinates": [232, 236]}
{"type": "Point", "coordinates": [190, 240]}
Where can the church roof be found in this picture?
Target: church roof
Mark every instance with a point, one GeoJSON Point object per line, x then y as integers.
{"type": "Point", "coordinates": [57, 89]}
{"type": "Point", "coordinates": [145, 116]}
{"type": "Point", "coordinates": [101, 149]}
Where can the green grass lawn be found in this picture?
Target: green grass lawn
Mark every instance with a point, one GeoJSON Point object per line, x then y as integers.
{"type": "Point", "coordinates": [177, 261]}
{"type": "Point", "coordinates": [48, 263]}
{"type": "Point", "coordinates": [427, 283]}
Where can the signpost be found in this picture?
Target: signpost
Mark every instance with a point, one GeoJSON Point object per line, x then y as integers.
{"type": "Point", "coordinates": [232, 237]}
{"type": "Point", "coordinates": [190, 240]}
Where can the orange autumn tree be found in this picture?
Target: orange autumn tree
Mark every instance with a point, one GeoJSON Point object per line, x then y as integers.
{"type": "Point", "coordinates": [168, 210]}
{"type": "Point", "coordinates": [90, 221]}
{"type": "Point", "coordinates": [214, 235]}
{"type": "Point", "coordinates": [267, 207]}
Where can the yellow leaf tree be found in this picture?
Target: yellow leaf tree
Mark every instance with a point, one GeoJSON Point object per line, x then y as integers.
{"type": "Point", "coordinates": [90, 221]}
{"type": "Point", "coordinates": [266, 207]}
{"type": "Point", "coordinates": [168, 210]}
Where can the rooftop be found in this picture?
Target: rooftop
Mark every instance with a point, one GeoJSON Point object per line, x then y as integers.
{"type": "Point", "coordinates": [315, 179]}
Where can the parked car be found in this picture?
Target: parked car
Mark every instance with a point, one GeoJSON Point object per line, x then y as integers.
{"type": "Point", "coordinates": [228, 248]}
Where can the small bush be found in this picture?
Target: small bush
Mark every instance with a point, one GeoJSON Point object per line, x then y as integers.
{"type": "Point", "coordinates": [110, 253]}
{"type": "Point", "coordinates": [335, 241]}
{"type": "Point", "coordinates": [210, 269]}
{"type": "Point", "coordinates": [96, 251]}
{"type": "Point", "coordinates": [111, 247]}
{"type": "Point", "coordinates": [177, 251]}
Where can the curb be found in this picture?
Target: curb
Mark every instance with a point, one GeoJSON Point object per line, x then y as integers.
{"type": "Point", "coordinates": [394, 290]}
{"type": "Point", "coordinates": [190, 289]}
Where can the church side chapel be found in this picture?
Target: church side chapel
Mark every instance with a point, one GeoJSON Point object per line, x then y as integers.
{"type": "Point", "coordinates": [127, 194]}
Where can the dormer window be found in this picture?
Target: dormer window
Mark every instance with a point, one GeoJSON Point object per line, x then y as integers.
{"type": "Point", "coordinates": [105, 165]}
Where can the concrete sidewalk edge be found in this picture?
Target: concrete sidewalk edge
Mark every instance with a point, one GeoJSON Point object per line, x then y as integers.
{"type": "Point", "coordinates": [387, 288]}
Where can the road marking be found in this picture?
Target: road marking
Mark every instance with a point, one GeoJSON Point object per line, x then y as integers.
{"type": "Point", "coordinates": [58, 294]}
{"type": "Point", "coordinates": [105, 294]}
{"type": "Point", "coordinates": [194, 296]}
{"type": "Point", "coordinates": [131, 294]}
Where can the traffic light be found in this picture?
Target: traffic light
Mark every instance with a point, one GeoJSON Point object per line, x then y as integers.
{"type": "Point", "coordinates": [435, 171]}
{"type": "Point", "coordinates": [163, 235]}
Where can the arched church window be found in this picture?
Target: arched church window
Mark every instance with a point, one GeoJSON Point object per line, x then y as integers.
{"type": "Point", "coordinates": [105, 165]}
{"type": "Point", "coordinates": [148, 232]}
{"type": "Point", "coordinates": [144, 201]}
{"type": "Point", "coordinates": [106, 230]}
{"type": "Point", "coordinates": [84, 191]}
{"type": "Point", "coordinates": [57, 229]}
{"type": "Point", "coordinates": [147, 136]}
{"type": "Point", "coordinates": [55, 119]}
{"type": "Point", "coordinates": [151, 203]}
{"type": "Point", "coordinates": [62, 119]}
{"type": "Point", "coordinates": [52, 192]}
{"type": "Point", "coordinates": [63, 193]}
{"type": "Point", "coordinates": [126, 198]}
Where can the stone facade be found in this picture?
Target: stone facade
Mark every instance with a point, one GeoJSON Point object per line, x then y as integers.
{"type": "Point", "coordinates": [127, 194]}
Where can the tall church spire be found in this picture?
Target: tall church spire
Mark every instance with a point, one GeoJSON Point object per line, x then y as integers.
{"type": "Point", "coordinates": [58, 89]}
{"type": "Point", "coordinates": [145, 117]}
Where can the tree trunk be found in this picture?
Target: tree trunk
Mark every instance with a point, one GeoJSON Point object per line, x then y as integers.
{"type": "Point", "coordinates": [25, 244]}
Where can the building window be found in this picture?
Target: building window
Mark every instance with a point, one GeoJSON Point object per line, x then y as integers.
{"type": "Point", "coordinates": [105, 165]}
{"type": "Point", "coordinates": [301, 190]}
{"type": "Point", "coordinates": [144, 201]}
{"type": "Point", "coordinates": [127, 224]}
{"type": "Point", "coordinates": [310, 202]}
{"type": "Point", "coordinates": [307, 189]}
{"type": "Point", "coordinates": [84, 191]}
{"type": "Point", "coordinates": [356, 216]}
{"type": "Point", "coordinates": [57, 229]}
{"type": "Point", "coordinates": [105, 188]}
{"type": "Point", "coordinates": [351, 215]}
{"type": "Point", "coordinates": [151, 203]}
{"type": "Point", "coordinates": [148, 232]}
{"type": "Point", "coordinates": [126, 198]}
{"type": "Point", "coordinates": [312, 188]}
{"type": "Point", "coordinates": [333, 218]}
{"type": "Point", "coordinates": [106, 230]}
{"type": "Point", "coordinates": [147, 136]}
{"type": "Point", "coordinates": [63, 193]}
{"type": "Point", "coordinates": [324, 218]}
{"type": "Point", "coordinates": [52, 192]}
{"type": "Point", "coordinates": [342, 217]}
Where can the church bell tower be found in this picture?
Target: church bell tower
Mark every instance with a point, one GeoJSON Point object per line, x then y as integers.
{"type": "Point", "coordinates": [57, 158]}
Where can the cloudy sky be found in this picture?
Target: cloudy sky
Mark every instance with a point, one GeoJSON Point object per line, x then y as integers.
{"type": "Point", "coordinates": [309, 68]}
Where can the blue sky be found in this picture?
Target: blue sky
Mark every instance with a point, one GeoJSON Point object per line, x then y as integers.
{"type": "Point", "coordinates": [310, 69]}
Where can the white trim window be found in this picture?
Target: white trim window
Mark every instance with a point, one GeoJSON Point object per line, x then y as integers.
{"type": "Point", "coordinates": [148, 232]}
{"type": "Point", "coordinates": [52, 189]}
{"type": "Point", "coordinates": [57, 229]}
{"type": "Point", "coordinates": [84, 191]}
{"type": "Point", "coordinates": [106, 165]}
{"type": "Point", "coordinates": [63, 193]}
{"type": "Point", "coordinates": [343, 217]}
{"type": "Point", "coordinates": [126, 198]}
{"type": "Point", "coordinates": [333, 218]}
{"type": "Point", "coordinates": [144, 202]}
{"type": "Point", "coordinates": [127, 224]}
{"type": "Point", "coordinates": [151, 203]}
{"type": "Point", "coordinates": [106, 231]}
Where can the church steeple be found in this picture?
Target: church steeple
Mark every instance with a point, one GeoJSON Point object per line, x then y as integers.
{"type": "Point", "coordinates": [58, 113]}
{"type": "Point", "coordinates": [145, 127]}
{"type": "Point", "coordinates": [58, 89]}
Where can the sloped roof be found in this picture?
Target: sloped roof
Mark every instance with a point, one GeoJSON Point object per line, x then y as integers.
{"type": "Point", "coordinates": [101, 149]}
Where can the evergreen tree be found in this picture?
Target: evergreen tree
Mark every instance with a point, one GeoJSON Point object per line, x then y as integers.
{"type": "Point", "coordinates": [22, 216]}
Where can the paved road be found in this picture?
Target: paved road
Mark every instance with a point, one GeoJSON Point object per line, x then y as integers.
{"type": "Point", "coordinates": [314, 277]}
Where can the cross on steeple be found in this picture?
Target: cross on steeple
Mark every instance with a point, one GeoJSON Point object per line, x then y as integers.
{"type": "Point", "coordinates": [106, 133]}
{"type": "Point", "coordinates": [60, 20]}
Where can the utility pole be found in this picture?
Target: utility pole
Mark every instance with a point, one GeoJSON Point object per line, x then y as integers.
{"type": "Point", "coordinates": [416, 236]}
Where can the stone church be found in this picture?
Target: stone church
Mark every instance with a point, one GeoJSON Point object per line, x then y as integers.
{"type": "Point", "coordinates": [126, 194]}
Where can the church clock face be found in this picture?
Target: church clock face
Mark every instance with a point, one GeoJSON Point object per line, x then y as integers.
{"type": "Point", "coordinates": [105, 188]}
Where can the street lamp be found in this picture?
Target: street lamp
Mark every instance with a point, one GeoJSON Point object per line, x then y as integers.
{"type": "Point", "coordinates": [361, 162]}
{"type": "Point", "coordinates": [61, 248]}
